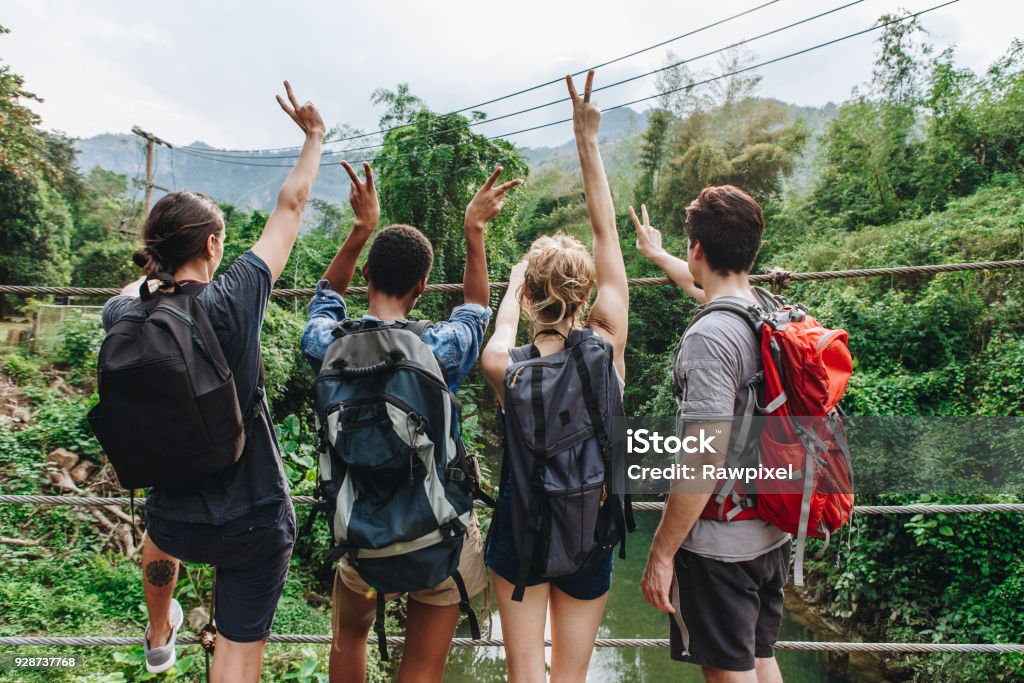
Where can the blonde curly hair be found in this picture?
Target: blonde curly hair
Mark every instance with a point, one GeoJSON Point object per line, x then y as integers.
{"type": "Point", "coordinates": [559, 279]}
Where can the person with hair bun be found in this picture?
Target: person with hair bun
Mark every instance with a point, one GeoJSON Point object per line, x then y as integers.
{"type": "Point", "coordinates": [240, 520]}
{"type": "Point", "coordinates": [551, 287]}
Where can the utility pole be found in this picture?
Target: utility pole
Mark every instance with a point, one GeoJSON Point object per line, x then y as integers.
{"type": "Point", "coordinates": [151, 142]}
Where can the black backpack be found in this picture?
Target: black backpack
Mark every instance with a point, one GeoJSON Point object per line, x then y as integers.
{"type": "Point", "coordinates": [565, 511]}
{"type": "Point", "coordinates": [395, 482]}
{"type": "Point", "coordinates": [168, 411]}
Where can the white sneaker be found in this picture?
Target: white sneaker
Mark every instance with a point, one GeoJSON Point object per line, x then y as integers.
{"type": "Point", "coordinates": [160, 659]}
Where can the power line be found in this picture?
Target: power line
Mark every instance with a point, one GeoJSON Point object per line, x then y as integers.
{"type": "Point", "coordinates": [689, 86]}
{"type": "Point", "coordinates": [560, 100]}
{"type": "Point", "coordinates": [739, 71]}
{"type": "Point", "coordinates": [529, 89]}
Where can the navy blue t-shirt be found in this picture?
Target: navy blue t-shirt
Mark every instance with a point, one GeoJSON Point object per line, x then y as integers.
{"type": "Point", "coordinates": [235, 303]}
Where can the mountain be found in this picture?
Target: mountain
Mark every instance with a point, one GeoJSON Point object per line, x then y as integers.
{"type": "Point", "coordinates": [205, 169]}
{"type": "Point", "coordinates": [254, 184]}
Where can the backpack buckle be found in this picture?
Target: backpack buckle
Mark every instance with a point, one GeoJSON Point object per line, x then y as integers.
{"type": "Point", "coordinates": [455, 474]}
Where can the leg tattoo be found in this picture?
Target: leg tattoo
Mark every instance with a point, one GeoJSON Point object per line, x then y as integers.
{"type": "Point", "coordinates": [160, 572]}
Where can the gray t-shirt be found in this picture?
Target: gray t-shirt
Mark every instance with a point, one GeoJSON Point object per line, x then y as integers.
{"type": "Point", "coordinates": [718, 354]}
{"type": "Point", "coordinates": [235, 303]}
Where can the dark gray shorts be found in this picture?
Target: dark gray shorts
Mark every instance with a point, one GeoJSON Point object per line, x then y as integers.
{"type": "Point", "coordinates": [251, 554]}
{"type": "Point", "coordinates": [727, 613]}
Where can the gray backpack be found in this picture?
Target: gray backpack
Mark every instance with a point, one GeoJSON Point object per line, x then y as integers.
{"type": "Point", "coordinates": [396, 483]}
{"type": "Point", "coordinates": [558, 458]}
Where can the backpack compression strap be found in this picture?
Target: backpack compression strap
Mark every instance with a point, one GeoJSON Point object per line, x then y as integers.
{"type": "Point", "coordinates": [378, 628]}
{"type": "Point", "coordinates": [533, 522]}
{"type": "Point", "coordinates": [624, 514]}
{"type": "Point", "coordinates": [466, 606]}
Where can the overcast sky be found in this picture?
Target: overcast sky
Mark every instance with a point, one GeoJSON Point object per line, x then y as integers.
{"type": "Point", "coordinates": [190, 70]}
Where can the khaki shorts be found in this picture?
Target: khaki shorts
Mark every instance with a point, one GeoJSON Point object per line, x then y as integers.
{"type": "Point", "coordinates": [471, 567]}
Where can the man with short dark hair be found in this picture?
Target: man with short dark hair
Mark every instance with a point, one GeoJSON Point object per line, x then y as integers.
{"type": "Point", "coordinates": [720, 581]}
{"type": "Point", "coordinates": [397, 269]}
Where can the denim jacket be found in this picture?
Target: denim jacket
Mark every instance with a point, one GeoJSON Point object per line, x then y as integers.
{"type": "Point", "coordinates": [456, 342]}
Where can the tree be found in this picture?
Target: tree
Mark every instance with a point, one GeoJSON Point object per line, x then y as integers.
{"type": "Point", "coordinates": [401, 105]}
{"type": "Point", "coordinates": [22, 144]}
{"type": "Point", "coordinates": [428, 171]}
{"type": "Point", "coordinates": [870, 148]}
{"type": "Point", "coordinates": [751, 143]}
{"type": "Point", "coordinates": [652, 154]}
{"type": "Point", "coordinates": [105, 210]}
{"type": "Point", "coordinates": [37, 180]}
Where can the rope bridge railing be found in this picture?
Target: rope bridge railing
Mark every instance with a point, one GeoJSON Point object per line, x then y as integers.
{"type": "Point", "coordinates": [779, 278]}
{"type": "Point", "coordinates": [399, 641]}
{"type": "Point", "coordinates": [925, 508]}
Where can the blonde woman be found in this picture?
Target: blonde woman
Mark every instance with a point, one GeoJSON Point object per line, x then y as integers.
{"type": "Point", "coordinates": [551, 287]}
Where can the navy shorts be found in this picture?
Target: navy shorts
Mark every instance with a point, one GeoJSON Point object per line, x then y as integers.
{"type": "Point", "coordinates": [251, 554]}
{"type": "Point", "coordinates": [500, 555]}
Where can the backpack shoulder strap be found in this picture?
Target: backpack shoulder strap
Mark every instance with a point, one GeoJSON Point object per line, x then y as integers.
{"type": "Point", "coordinates": [417, 327]}
{"type": "Point", "coordinates": [754, 313]}
{"type": "Point", "coordinates": [524, 352]}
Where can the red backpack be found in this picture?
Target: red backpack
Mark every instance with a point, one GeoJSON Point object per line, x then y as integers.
{"type": "Point", "coordinates": [806, 368]}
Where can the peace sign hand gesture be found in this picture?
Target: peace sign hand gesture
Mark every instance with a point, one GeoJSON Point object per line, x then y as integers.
{"type": "Point", "coordinates": [488, 200]}
{"type": "Point", "coordinates": [648, 238]}
{"type": "Point", "coordinates": [363, 198]}
{"type": "Point", "coordinates": [586, 117]}
{"type": "Point", "coordinates": [305, 115]}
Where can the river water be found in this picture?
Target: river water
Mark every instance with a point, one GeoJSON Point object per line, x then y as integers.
{"type": "Point", "coordinates": [629, 616]}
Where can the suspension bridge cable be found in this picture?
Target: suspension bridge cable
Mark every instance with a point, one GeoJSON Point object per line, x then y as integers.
{"type": "Point", "coordinates": [399, 641]}
{"type": "Point", "coordinates": [909, 509]}
{"type": "Point", "coordinates": [777, 277]}
{"type": "Point", "coordinates": [532, 88]}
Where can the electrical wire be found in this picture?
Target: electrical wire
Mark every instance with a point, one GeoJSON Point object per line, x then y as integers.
{"type": "Point", "coordinates": [689, 86]}
{"type": "Point", "coordinates": [532, 88]}
{"type": "Point", "coordinates": [340, 153]}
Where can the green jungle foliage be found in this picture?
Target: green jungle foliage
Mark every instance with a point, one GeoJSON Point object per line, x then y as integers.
{"type": "Point", "coordinates": [922, 166]}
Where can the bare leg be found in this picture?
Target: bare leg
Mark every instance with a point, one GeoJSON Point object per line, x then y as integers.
{"type": "Point", "coordinates": [159, 576]}
{"type": "Point", "coordinates": [429, 630]}
{"type": "Point", "coordinates": [522, 626]}
{"type": "Point", "coordinates": [348, 648]}
{"type": "Point", "coordinates": [767, 670]}
{"type": "Point", "coordinates": [236, 662]}
{"type": "Point", "coordinates": [722, 676]}
{"type": "Point", "coordinates": [574, 625]}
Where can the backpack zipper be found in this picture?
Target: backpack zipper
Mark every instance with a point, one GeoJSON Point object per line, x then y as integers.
{"type": "Point", "coordinates": [533, 364]}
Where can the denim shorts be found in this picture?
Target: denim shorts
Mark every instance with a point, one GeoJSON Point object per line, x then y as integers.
{"type": "Point", "coordinates": [501, 556]}
{"type": "Point", "coordinates": [251, 554]}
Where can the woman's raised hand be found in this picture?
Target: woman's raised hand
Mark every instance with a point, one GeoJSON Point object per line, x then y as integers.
{"type": "Point", "coordinates": [586, 117]}
{"type": "Point", "coordinates": [363, 198]}
{"type": "Point", "coordinates": [305, 115]}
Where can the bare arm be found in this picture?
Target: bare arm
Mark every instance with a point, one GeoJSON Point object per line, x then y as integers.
{"type": "Point", "coordinates": [484, 206]}
{"type": "Point", "coordinates": [363, 198]}
{"type": "Point", "coordinates": [682, 509]}
{"type": "Point", "coordinates": [132, 288]}
{"type": "Point", "coordinates": [610, 313]}
{"type": "Point", "coordinates": [275, 244]}
{"type": "Point", "coordinates": [495, 356]}
{"type": "Point", "coordinates": [648, 241]}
